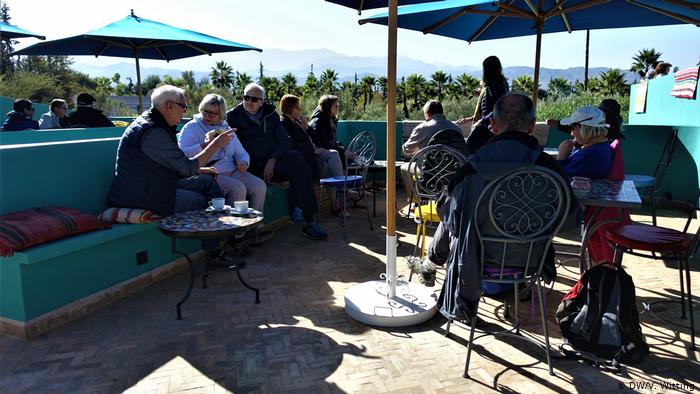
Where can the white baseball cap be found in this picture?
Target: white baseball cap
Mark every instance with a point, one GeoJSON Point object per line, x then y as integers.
{"type": "Point", "coordinates": [588, 115]}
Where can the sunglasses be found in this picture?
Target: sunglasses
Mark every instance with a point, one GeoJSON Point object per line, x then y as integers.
{"type": "Point", "coordinates": [252, 98]}
{"type": "Point", "coordinates": [183, 106]}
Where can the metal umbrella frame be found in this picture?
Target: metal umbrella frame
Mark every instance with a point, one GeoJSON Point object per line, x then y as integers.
{"type": "Point", "coordinates": [474, 20]}
{"type": "Point", "coordinates": [139, 38]}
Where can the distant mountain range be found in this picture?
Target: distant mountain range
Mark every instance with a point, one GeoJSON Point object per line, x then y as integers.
{"type": "Point", "coordinates": [277, 62]}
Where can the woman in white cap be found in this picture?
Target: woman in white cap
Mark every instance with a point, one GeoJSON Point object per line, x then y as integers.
{"type": "Point", "coordinates": [594, 158]}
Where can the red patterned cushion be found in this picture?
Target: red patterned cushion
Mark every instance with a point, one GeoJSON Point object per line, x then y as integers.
{"type": "Point", "coordinates": [24, 229]}
{"type": "Point", "coordinates": [128, 215]}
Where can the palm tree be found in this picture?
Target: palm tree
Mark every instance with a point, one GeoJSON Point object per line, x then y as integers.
{"type": "Point", "coordinates": [367, 88]}
{"type": "Point", "coordinates": [329, 81]}
{"type": "Point", "coordinates": [440, 80]}
{"type": "Point", "coordinates": [559, 87]}
{"type": "Point", "coordinates": [523, 84]}
{"type": "Point", "coordinates": [289, 84]}
{"type": "Point", "coordinates": [463, 86]}
{"type": "Point", "coordinates": [221, 75]}
{"type": "Point", "coordinates": [644, 61]}
{"type": "Point", "coordinates": [612, 83]}
{"type": "Point", "coordinates": [310, 85]}
{"type": "Point", "coordinates": [242, 79]}
{"type": "Point", "coordinates": [188, 77]}
{"type": "Point", "coordinates": [401, 92]}
{"type": "Point", "coordinates": [382, 83]}
{"type": "Point", "coordinates": [272, 88]}
{"type": "Point", "coordinates": [104, 85]}
{"type": "Point", "coordinates": [414, 86]}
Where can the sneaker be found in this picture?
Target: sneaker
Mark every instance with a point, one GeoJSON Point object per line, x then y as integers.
{"type": "Point", "coordinates": [427, 276]}
{"type": "Point", "coordinates": [297, 216]}
{"type": "Point", "coordinates": [313, 231]}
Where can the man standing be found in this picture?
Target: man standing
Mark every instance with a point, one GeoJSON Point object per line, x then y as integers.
{"type": "Point", "coordinates": [261, 133]}
{"type": "Point", "coordinates": [151, 171]}
{"type": "Point", "coordinates": [87, 116]}
{"type": "Point", "coordinates": [420, 136]}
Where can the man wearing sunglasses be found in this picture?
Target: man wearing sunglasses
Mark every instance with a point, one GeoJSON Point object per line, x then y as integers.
{"type": "Point", "coordinates": [20, 118]}
{"type": "Point", "coordinates": [261, 133]}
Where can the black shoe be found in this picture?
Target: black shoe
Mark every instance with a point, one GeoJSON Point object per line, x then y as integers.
{"type": "Point", "coordinates": [314, 231]}
{"type": "Point", "coordinates": [427, 276]}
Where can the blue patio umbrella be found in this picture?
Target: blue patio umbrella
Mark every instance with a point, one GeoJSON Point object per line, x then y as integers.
{"type": "Point", "coordinates": [474, 20]}
{"type": "Point", "coordinates": [8, 31]}
{"type": "Point", "coordinates": [361, 5]}
{"type": "Point", "coordinates": [137, 38]}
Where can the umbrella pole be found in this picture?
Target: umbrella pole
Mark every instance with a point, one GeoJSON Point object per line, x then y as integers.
{"type": "Point", "coordinates": [391, 152]}
{"type": "Point", "coordinates": [376, 302]}
{"type": "Point", "coordinates": [538, 48]}
{"type": "Point", "coordinates": [138, 83]}
{"type": "Point", "coordinates": [585, 71]}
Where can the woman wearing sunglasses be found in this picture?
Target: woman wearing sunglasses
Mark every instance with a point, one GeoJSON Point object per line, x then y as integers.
{"type": "Point", "coordinates": [231, 162]}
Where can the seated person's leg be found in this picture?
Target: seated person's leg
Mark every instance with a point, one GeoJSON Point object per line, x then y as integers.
{"type": "Point", "coordinates": [438, 253]}
{"type": "Point", "coordinates": [254, 187]}
{"type": "Point", "coordinates": [407, 178]}
{"type": "Point", "coordinates": [291, 167]}
{"type": "Point", "coordinates": [231, 187]}
{"type": "Point", "coordinates": [330, 164]}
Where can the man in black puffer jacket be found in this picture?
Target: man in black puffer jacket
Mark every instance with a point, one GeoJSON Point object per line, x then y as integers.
{"type": "Point", "coordinates": [261, 133]}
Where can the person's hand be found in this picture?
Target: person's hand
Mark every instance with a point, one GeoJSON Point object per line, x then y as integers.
{"type": "Point", "coordinates": [462, 121]}
{"type": "Point", "coordinates": [565, 149]}
{"type": "Point", "coordinates": [269, 170]}
{"type": "Point", "coordinates": [303, 123]}
{"type": "Point", "coordinates": [208, 170]}
{"type": "Point", "coordinates": [242, 166]}
{"type": "Point", "coordinates": [553, 122]}
{"type": "Point", "coordinates": [318, 151]}
{"type": "Point", "coordinates": [223, 139]}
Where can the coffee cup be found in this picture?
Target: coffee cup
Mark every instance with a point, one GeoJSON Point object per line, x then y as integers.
{"type": "Point", "coordinates": [217, 203]}
{"type": "Point", "coordinates": [241, 206]}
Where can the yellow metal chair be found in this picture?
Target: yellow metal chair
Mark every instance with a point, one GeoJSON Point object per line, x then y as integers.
{"type": "Point", "coordinates": [432, 167]}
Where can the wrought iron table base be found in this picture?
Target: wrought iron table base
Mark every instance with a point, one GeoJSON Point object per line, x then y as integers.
{"type": "Point", "coordinates": [236, 265]}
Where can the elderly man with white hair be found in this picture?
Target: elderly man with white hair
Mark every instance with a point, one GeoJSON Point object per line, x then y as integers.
{"type": "Point", "coordinates": [272, 158]}
{"type": "Point", "coordinates": [151, 171]}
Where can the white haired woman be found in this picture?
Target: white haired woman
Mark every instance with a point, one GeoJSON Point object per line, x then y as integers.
{"type": "Point", "coordinates": [231, 162]}
{"type": "Point", "coordinates": [594, 158]}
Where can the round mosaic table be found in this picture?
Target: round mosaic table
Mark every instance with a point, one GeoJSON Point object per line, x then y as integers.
{"type": "Point", "coordinates": [206, 225]}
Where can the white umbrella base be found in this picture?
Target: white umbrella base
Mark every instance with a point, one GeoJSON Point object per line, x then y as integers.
{"type": "Point", "coordinates": [413, 304]}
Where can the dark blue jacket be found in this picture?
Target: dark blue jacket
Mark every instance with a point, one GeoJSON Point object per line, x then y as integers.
{"type": "Point", "coordinates": [140, 182]}
{"type": "Point", "coordinates": [18, 121]}
{"type": "Point", "coordinates": [261, 140]}
{"type": "Point", "coordinates": [594, 162]}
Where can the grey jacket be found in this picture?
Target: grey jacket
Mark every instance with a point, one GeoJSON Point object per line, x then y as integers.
{"type": "Point", "coordinates": [421, 134]}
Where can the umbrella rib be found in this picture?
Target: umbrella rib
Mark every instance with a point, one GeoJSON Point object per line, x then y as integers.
{"type": "Point", "coordinates": [486, 24]}
{"type": "Point", "coordinates": [520, 11]}
{"type": "Point", "coordinates": [532, 7]}
{"type": "Point", "coordinates": [579, 7]}
{"type": "Point", "coordinates": [445, 21]}
{"type": "Point", "coordinates": [196, 48]}
{"type": "Point", "coordinates": [667, 13]}
{"type": "Point", "coordinates": [565, 18]}
{"type": "Point", "coordinates": [686, 4]}
{"type": "Point", "coordinates": [110, 42]}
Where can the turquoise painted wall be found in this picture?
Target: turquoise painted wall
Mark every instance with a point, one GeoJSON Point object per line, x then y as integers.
{"type": "Point", "coordinates": [348, 129]}
{"type": "Point", "coordinates": [662, 109]}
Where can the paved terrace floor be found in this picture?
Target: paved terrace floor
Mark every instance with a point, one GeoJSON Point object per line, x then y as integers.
{"type": "Point", "coordinates": [299, 338]}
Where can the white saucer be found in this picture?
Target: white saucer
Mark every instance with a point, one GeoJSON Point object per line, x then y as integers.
{"type": "Point", "coordinates": [249, 210]}
{"type": "Point", "coordinates": [211, 209]}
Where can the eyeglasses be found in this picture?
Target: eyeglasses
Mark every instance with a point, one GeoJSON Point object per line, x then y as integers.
{"type": "Point", "coordinates": [209, 113]}
{"type": "Point", "coordinates": [183, 106]}
{"type": "Point", "coordinates": [252, 98]}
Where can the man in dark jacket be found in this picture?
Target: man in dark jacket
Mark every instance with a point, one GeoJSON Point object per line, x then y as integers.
{"type": "Point", "coordinates": [261, 133]}
{"type": "Point", "coordinates": [87, 116]}
{"type": "Point", "coordinates": [20, 118]}
{"type": "Point", "coordinates": [151, 171]}
{"type": "Point", "coordinates": [511, 148]}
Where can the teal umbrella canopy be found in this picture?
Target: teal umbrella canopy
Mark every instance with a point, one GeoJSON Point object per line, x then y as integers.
{"type": "Point", "coordinates": [361, 5]}
{"type": "Point", "coordinates": [8, 31]}
{"type": "Point", "coordinates": [474, 20]}
{"type": "Point", "coordinates": [137, 38]}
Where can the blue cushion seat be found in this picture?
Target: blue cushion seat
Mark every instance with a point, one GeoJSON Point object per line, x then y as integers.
{"type": "Point", "coordinates": [351, 180]}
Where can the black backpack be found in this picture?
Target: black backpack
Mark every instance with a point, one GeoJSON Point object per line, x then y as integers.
{"type": "Point", "coordinates": [599, 318]}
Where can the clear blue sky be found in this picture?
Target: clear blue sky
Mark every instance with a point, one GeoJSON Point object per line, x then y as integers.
{"type": "Point", "coordinates": [311, 24]}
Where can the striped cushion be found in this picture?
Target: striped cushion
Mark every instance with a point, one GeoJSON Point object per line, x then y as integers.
{"type": "Point", "coordinates": [128, 215]}
{"type": "Point", "coordinates": [24, 229]}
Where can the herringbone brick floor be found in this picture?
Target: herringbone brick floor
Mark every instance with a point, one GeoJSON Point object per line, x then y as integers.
{"type": "Point", "coordinates": [299, 338]}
